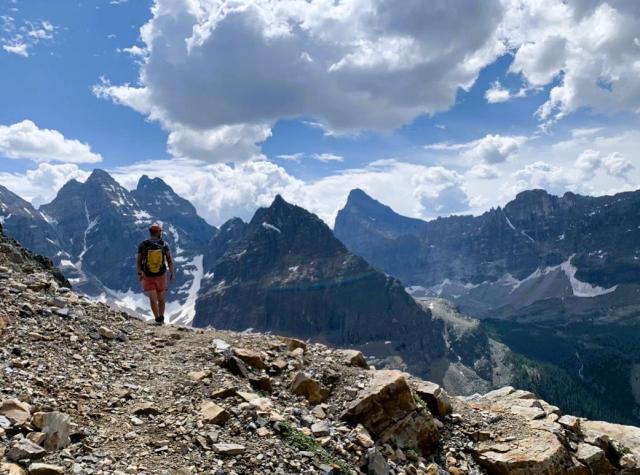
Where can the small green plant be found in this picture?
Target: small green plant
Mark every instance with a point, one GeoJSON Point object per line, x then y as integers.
{"type": "Point", "coordinates": [420, 402]}
{"type": "Point", "coordinates": [301, 441]}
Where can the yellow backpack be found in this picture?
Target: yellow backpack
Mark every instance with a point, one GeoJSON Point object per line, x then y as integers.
{"type": "Point", "coordinates": [153, 258]}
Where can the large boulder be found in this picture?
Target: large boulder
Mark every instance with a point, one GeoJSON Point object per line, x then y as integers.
{"type": "Point", "coordinates": [212, 413]}
{"type": "Point", "coordinates": [11, 469]}
{"type": "Point", "coordinates": [250, 357]}
{"type": "Point", "coordinates": [387, 409]}
{"type": "Point", "coordinates": [594, 458]}
{"type": "Point", "coordinates": [533, 445]}
{"type": "Point", "coordinates": [55, 426]}
{"type": "Point", "coordinates": [24, 449]}
{"type": "Point", "coordinates": [435, 397]}
{"type": "Point", "coordinates": [303, 385]}
{"type": "Point", "coordinates": [614, 438]}
{"type": "Point", "coordinates": [19, 413]}
{"type": "Point", "coordinates": [354, 358]}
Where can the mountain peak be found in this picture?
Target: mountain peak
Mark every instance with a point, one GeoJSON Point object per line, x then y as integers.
{"type": "Point", "coordinates": [155, 184]}
{"type": "Point", "coordinates": [363, 215]}
{"type": "Point", "coordinates": [358, 194]}
{"type": "Point", "coordinates": [534, 194]}
{"type": "Point", "coordinates": [279, 202]}
{"type": "Point", "coordinates": [100, 176]}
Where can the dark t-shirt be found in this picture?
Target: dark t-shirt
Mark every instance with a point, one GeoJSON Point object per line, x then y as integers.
{"type": "Point", "coordinates": [154, 256]}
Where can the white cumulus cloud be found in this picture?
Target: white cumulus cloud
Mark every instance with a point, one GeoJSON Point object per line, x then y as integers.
{"type": "Point", "coordinates": [584, 49]}
{"type": "Point", "coordinates": [352, 65]}
{"type": "Point", "coordinates": [490, 149]}
{"type": "Point", "coordinates": [41, 184]}
{"type": "Point", "coordinates": [25, 140]}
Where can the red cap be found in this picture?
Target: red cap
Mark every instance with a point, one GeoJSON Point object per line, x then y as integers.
{"type": "Point", "coordinates": [155, 228]}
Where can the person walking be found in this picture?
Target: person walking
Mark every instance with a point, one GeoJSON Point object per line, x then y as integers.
{"type": "Point", "coordinates": [152, 262]}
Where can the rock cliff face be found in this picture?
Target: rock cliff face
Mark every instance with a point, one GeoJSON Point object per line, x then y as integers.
{"type": "Point", "coordinates": [288, 274]}
{"type": "Point", "coordinates": [76, 396]}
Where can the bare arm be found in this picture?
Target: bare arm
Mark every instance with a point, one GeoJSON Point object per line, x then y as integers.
{"type": "Point", "coordinates": [139, 265]}
{"type": "Point", "coordinates": [172, 274]}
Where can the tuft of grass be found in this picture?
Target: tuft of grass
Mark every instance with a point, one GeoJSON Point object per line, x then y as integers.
{"type": "Point", "coordinates": [301, 441]}
{"type": "Point", "coordinates": [420, 402]}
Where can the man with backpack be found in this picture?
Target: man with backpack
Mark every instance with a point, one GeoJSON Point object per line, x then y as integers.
{"type": "Point", "coordinates": [152, 262]}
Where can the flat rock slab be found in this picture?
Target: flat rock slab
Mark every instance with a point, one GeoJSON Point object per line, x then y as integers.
{"type": "Point", "coordinates": [25, 450]}
{"type": "Point", "coordinates": [542, 453]}
{"type": "Point", "coordinates": [45, 469]}
{"type": "Point", "coordinates": [229, 449]}
{"type": "Point", "coordinates": [19, 413]}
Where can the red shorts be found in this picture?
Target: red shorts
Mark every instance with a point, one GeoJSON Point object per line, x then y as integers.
{"type": "Point", "coordinates": [159, 283]}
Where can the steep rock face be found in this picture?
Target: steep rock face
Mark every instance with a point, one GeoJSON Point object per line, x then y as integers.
{"type": "Point", "coordinates": [476, 363]}
{"type": "Point", "coordinates": [533, 231]}
{"type": "Point", "coordinates": [229, 233]}
{"type": "Point", "coordinates": [288, 274]}
{"type": "Point", "coordinates": [99, 223]}
{"type": "Point", "coordinates": [27, 225]}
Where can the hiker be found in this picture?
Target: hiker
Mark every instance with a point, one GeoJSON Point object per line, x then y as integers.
{"type": "Point", "coordinates": [151, 262]}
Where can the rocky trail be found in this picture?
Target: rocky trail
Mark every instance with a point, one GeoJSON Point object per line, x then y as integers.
{"type": "Point", "coordinates": [85, 389]}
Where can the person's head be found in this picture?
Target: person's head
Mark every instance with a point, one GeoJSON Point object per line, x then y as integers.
{"type": "Point", "coordinates": [155, 230]}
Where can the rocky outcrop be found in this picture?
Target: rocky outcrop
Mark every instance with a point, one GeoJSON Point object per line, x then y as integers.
{"type": "Point", "coordinates": [166, 400]}
{"type": "Point", "coordinates": [388, 410]}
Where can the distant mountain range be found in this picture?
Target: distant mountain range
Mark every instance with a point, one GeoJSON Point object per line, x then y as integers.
{"type": "Point", "coordinates": [556, 278]}
{"type": "Point", "coordinates": [554, 281]}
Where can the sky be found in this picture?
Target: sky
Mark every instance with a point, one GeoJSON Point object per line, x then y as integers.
{"type": "Point", "coordinates": [434, 108]}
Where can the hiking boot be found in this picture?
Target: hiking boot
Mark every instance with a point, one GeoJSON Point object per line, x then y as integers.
{"type": "Point", "coordinates": [159, 320]}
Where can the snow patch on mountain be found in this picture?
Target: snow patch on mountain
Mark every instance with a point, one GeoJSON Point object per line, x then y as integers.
{"type": "Point", "coordinates": [583, 289]}
{"type": "Point", "coordinates": [184, 313]}
{"type": "Point", "coordinates": [129, 300]}
{"type": "Point", "coordinates": [271, 227]}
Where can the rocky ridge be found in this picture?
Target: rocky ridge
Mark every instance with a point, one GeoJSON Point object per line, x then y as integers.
{"type": "Point", "coordinates": [90, 390]}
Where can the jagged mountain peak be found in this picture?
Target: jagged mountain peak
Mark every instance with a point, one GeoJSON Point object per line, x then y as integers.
{"type": "Point", "coordinates": [358, 194]}
{"type": "Point", "coordinates": [232, 224]}
{"type": "Point", "coordinates": [360, 199]}
{"type": "Point", "coordinates": [294, 228]}
{"type": "Point", "coordinates": [100, 176]}
{"type": "Point", "coordinates": [363, 215]}
{"type": "Point", "coordinates": [155, 184]}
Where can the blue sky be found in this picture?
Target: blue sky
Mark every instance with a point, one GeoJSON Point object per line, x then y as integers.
{"type": "Point", "coordinates": [442, 109]}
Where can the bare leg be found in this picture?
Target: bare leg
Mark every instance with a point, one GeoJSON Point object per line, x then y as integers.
{"type": "Point", "coordinates": [161, 303]}
{"type": "Point", "coordinates": [153, 300]}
